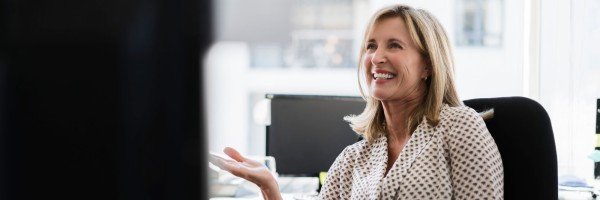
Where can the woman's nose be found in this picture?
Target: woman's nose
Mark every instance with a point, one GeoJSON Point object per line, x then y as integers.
{"type": "Point", "coordinates": [378, 58]}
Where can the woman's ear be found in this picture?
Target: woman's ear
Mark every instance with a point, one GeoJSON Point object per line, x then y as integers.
{"type": "Point", "coordinates": [427, 71]}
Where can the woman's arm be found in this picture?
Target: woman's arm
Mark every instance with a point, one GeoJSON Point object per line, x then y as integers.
{"type": "Point", "coordinates": [250, 170]}
{"type": "Point", "coordinates": [476, 165]}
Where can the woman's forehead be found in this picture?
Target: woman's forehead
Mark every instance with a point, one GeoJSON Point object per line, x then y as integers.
{"type": "Point", "coordinates": [387, 28]}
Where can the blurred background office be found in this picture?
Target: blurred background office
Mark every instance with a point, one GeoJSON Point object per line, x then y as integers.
{"type": "Point", "coordinates": [547, 50]}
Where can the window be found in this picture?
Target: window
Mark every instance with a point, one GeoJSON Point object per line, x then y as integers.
{"type": "Point", "coordinates": [570, 80]}
{"type": "Point", "coordinates": [479, 23]}
{"type": "Point", "coordinates": [291, 33]}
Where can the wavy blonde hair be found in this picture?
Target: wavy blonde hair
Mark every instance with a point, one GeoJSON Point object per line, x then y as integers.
{"type": "Point", "coordinates": [430, 38]}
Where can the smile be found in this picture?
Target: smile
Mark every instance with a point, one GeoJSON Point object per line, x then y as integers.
{"type": "Point", "coordinates": [378, 76]}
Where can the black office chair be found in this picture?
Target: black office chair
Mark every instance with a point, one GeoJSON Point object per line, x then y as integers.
{"type": "Point", "coordinates": [523, 132]}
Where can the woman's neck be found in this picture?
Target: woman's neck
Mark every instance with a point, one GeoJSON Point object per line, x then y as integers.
{"type": "Point", "coordinates": [396, 115]}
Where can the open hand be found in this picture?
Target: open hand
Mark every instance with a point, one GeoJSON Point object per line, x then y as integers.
{"type": "Point", "coordinates": [248, 169]}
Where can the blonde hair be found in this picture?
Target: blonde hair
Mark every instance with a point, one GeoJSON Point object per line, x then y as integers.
{"type": "Point", "coordinates": [430, 38]}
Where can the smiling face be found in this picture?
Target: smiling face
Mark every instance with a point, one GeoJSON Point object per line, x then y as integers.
{"type": "Point", "coordinates": [395, 69]}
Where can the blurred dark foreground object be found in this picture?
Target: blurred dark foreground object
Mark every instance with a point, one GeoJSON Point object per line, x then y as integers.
{"type": "Point", "coordinates": [102, 99]}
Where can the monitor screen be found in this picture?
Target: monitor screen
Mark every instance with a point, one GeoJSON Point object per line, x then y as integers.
{"type": "Point", "coordinates": [308, 132]}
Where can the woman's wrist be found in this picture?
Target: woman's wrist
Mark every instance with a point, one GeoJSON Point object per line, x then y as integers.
{"type": "Point", "coordinates": [270, 191]}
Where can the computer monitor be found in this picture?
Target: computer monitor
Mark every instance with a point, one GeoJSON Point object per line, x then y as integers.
{"type": "Point", "coordinates": [308, 132]}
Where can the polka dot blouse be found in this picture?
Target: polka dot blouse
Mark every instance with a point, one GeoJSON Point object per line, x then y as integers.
{"type": "Point", "coordinates": [457, 159]}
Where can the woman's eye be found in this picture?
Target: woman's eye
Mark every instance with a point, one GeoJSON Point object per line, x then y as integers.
{"type": "Point", "coordinates": [371, 46]}
{"type": "Point", "coordinates": [395, 46]}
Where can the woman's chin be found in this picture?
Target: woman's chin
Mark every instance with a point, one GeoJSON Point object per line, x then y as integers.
{"type": "Point", "coordinates": [381, 96]}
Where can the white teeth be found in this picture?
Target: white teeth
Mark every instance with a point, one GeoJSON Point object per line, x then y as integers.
{"type": "Point", "coordinates": [382, 75]}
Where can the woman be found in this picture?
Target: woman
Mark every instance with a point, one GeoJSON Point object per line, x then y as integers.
{"type": "Point", "coordinates": [420, 141]}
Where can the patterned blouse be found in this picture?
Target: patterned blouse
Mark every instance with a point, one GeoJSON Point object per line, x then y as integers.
{"type": "Point", "coordinates": [457, 159]}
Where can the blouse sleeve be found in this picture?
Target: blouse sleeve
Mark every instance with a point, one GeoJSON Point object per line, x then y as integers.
{"type": "Point", "coordinates": [332, 187]}
{"type": "Point", "coordinates": [476, 165]}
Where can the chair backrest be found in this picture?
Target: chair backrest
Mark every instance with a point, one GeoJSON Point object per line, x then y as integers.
{"type": "Point", "coordinates": [523, 132]}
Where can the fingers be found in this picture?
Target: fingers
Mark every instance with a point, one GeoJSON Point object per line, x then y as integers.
{"type": "Point", "coordinates": [230, 166]}
{"type": "Point", "coordinates": [241, 167]}
{"type": "Point", "coordinates": [237, 156]}
{"type": "Point", "coordinates": [234, 154]}
{"type": "Point", "coordinates": [218, 161]}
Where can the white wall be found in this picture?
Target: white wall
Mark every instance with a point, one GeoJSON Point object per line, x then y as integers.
{"type": "Point", "coordinates": [225, 91]}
